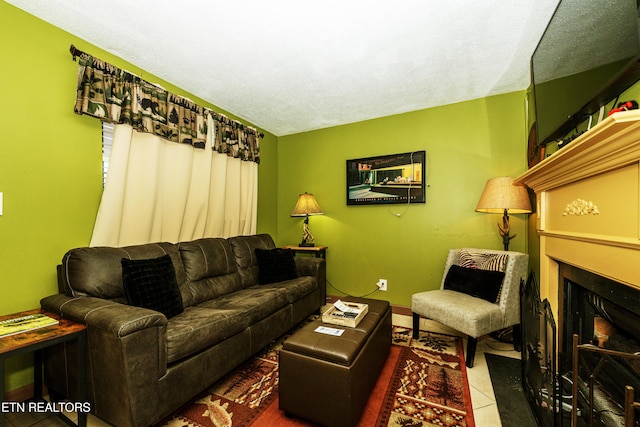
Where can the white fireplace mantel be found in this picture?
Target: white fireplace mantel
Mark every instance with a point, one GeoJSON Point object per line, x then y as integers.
{"type": "Point", "coordinates": [588, 204]}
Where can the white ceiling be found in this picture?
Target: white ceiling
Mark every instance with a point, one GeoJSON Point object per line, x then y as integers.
{"type": "Point", "coordinates": [291, 66]}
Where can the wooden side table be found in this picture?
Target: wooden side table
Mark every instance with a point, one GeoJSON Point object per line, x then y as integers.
{"type": "Point", "coordinates": [35, 341]}
{"type": "Point", "coordinates": [318, 251]}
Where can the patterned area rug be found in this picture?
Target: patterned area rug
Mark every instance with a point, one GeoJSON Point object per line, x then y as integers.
{"type": "Point", "coordinates": [424, 383]}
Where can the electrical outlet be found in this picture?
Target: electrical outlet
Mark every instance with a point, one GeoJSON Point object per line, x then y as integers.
{"type": "Point", "coordinates": [382, 284]}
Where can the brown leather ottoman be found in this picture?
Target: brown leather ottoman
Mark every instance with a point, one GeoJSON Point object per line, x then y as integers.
{"type": "Point", "coordinates": [327, 379]}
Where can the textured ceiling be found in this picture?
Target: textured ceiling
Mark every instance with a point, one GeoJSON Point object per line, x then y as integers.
{"type": "Point", "coordinates": [290, 66]}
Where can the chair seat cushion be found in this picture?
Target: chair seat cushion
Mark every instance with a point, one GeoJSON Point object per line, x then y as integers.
{"type": "Point", "coordinates": [473, 316]}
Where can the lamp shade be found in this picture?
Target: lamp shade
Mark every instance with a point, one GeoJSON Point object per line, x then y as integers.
{"type": "Point", "coordinates": [306, 205]}
{"type": "Point", "coordinates": [500, 195]}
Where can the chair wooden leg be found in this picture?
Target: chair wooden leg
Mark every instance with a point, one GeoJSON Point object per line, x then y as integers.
{"type": "Point", "coordinates": [416, 325]}
{"type": "Point", "coordinates": [471, 351]}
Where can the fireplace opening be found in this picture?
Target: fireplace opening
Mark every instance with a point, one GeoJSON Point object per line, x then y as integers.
{"type": "Point", "coordinates": [593, 375]}
{"type": "Point", "coordinates": [604, 317]}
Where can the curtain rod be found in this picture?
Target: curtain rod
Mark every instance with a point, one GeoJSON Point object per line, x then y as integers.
{"type": "Point", "coordinates": [75, 52]}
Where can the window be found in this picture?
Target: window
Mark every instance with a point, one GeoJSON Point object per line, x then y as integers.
{"type": "Point", "coordinates": [107, 143]}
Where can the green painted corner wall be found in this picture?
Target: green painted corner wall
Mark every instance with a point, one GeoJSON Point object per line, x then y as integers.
{"type": "Point", "coordinates": [50, 175]}
{"type": "Point", "coordinates": [466, 144]}
{"type": "Point", "coordinates": [50, 163]}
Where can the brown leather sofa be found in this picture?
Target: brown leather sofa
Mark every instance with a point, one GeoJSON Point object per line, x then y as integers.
{"type": "Point", "coordinates": [142, 365]}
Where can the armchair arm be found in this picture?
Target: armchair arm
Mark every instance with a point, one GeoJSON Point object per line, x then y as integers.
{"type": "Point", "coordinates": [515, 271]}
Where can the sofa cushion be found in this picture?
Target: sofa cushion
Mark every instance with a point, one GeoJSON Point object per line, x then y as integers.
{"type": "Point", "coordinates": [209, 268]}
{"type": "Point", "coordinates": [275, 265]}
{"type": "Point", "coordinates": [199, 328]}
{"type": "Point", "coordinates": [207, 257]}
{"type": "Point", "coordinates": [256, 303]}
{"type": "Point", "coordinates": [97, 271]}
{"type": "Point", "coordinates": [205, 325]}
{"type": "Point", "coordinates": [485, 284]}
{"type": "Point", "coordinates": [243, 248]}
{"type": "Point", "coordinates": [295, 289]}
{"type": "Point", "coordinates": [151, 283]}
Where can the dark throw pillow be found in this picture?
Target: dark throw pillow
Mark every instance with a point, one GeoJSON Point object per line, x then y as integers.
{"type": "Point", "coordinates": [151, 283]}
{"type": "Point", "coordinates": [275, 265]}
{"type": "Point", "coordinates": [485, 284]}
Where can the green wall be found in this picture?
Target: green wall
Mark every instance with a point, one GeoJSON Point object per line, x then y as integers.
{"type": "Point", "coordinates": [51, 178]}
{"type": "Point", "coordinates": [50, 163]}
{"type": "Point", "coordinates": [466, 144]}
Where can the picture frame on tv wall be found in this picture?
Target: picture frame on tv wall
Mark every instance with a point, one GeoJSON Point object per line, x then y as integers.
{"type": "Point", "coordinates": [387, 179]}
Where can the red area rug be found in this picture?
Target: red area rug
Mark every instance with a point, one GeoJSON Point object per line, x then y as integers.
{"type": "Point", "coordinates": [423, 383]}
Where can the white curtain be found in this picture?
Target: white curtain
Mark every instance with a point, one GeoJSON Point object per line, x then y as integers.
{"type": "Point", "coordinates": [158, 190]}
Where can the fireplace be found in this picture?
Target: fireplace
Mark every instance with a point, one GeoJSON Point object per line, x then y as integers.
{"type": "Point", "coordinates": [601, 317]}
{"type": "Point", "coordinates": [587, 376]}
{"type": "Point", "coordinates": [588, 221]}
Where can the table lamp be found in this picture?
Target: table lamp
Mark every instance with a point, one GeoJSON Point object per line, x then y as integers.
{"type": "Point", "coordinates": [305, 206]}
{"type": "Point", "coordinates": [500, 195]}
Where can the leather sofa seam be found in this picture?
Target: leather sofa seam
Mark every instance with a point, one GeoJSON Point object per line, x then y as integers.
{"type": "Point", "coordinates": [133, 321]}
{"type": "Point", "coordinates": [96, 309]}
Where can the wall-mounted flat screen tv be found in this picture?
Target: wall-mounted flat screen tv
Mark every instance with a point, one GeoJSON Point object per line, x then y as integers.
{"type": "Point", "coordinates": [388, 179]}
{"type": "Point", "coordinates": [588, 54]}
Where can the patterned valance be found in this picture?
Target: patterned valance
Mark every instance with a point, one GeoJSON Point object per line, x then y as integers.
{"type": "Point", "coordinates": [117, 96]}
{"type": "Point", "coordinates": [235, 139]}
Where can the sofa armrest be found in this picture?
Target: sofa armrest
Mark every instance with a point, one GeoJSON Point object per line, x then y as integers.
{"type": "Point", "coordinates": [127, 355]}
{"type": "Point", "coordinates": [119, 319]}
{"type": "Point", "coordinates": [316, 267]}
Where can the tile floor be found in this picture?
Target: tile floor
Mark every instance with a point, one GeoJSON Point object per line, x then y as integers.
{"type": "Point", "coordinates": [485, 410]}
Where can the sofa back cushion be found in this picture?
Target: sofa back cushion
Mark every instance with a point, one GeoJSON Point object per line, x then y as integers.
{"type": "Point", "coordinates": [97, 271]}
{"type": "Point", "coordinates": [210, 269]}
{"type": "Point", "coordinates": [243, 248]}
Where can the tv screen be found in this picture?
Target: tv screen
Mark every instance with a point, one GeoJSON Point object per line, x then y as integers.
{"type": "Point", "coordinates": [387, 179]}
{"type": "Point", "coordinates": [587, 55]}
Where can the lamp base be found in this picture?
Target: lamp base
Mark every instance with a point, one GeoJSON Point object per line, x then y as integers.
{"type": "Point", "coordinates": [504, 231]}
{"type": "Point", "coordinates": [307, 237]}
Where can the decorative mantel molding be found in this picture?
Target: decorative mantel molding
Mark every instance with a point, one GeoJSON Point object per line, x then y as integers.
{"type": "Point", "coordinates": [611, 144]}
{"type": "Point", "coordinates": [580, 207]}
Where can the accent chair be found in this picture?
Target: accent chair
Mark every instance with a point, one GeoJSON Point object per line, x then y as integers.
{"type": "Point", "coordinates": [479, 294]}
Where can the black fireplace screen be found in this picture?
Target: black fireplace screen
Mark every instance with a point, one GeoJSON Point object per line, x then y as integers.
{"type": "Point", "coordinates": [599, 398]}
{"type": "Point", "coordinates": [538, 353]}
